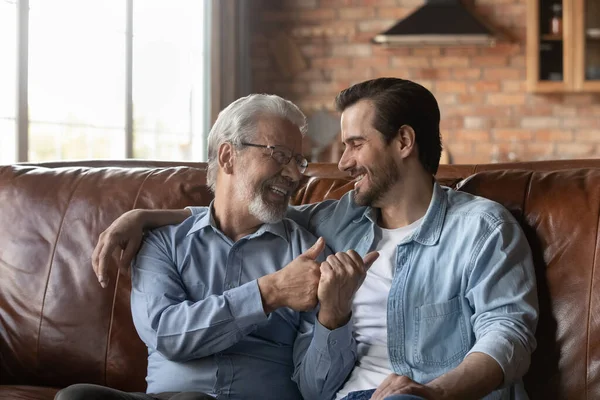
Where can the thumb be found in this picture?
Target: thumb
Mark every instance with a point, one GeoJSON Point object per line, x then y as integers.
{"type": "Point", "coordinates": [315, 250]}
{"type": "Point", "coordinates": [126, 257]}
{"type": "Point", "coordinates": [370, 259]}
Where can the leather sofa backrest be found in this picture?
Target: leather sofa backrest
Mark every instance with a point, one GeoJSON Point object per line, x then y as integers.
{"type": "Point", "coordinates": [58, 326]}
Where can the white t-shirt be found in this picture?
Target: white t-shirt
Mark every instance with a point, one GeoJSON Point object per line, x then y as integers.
{"type": "Point", "coordinates": [369, 314]}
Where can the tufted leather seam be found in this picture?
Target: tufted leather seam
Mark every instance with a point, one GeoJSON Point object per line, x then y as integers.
{"type": "Point", "coordinates": [526, 197]}
{"type": "Point", "coordinates": [112, 308]}
{"type": "Point", "coordinates": [62, 220]}
{"type": "Point", "coordinates": [589, 318]}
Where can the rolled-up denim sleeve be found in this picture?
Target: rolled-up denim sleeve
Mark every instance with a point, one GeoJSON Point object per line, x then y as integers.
{"type": "Point", "coordinates": [180, 329]}
{"type": "Point", "coordinates": [502, 292]}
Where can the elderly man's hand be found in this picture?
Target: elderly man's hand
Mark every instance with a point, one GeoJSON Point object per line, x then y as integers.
{"type": "Point", "coordinates": [341, 276]}
{"type": "Point", "coordinates": [295, 285]}
{"type": "Point", "coordinates": [398, 384]}
{"type": "Point", "coordinates": [124, 234]}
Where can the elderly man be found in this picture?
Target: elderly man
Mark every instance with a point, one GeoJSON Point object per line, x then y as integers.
{"type": "Point", "coordinates": [449, 309]}
{"type": "Point", "coordinates": [210, 299]}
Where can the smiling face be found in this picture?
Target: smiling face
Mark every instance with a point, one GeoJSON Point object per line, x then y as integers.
{"type": "Point", "coordinates": [262, 183]}
{"type": "Point", "coordinates": [367, 157]}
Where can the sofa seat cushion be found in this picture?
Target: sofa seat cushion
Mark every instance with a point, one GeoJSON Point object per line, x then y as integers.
{"type": "Point", "coordinates": [27, 392]}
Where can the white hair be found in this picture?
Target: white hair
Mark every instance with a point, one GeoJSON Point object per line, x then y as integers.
{"type": "Point", "coordinates": [238, 121]}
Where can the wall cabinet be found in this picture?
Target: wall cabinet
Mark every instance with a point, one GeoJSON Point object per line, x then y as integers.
{"type": "Point", "coordinates": [563, 46]}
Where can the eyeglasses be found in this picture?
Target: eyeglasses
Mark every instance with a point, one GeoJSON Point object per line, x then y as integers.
{"type": "Point", "coordinates": [283, 155]}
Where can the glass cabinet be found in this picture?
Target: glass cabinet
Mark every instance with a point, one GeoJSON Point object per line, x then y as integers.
{"type": "Point", "coordinates": [563, 45]}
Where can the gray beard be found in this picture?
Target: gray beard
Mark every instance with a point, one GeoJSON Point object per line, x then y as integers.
{"type": "Point", "coordinates": [264, 212]}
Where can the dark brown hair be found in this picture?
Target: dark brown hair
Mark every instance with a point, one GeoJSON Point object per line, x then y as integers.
{"type": "Point", "coordinates": [401, 102]}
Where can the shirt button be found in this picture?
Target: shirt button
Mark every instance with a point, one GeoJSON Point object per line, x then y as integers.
{"type": "Point", "coordinates": [229, 286]}
{"type": "Point", "coordinates": [333, 342]}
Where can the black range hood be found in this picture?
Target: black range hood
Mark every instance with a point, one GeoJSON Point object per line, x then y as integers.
{"type": "Point", "coordinates": [441, 23]}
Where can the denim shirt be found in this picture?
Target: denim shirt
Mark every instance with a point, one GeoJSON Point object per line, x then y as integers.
{"type": "Point", "coordinates": [464, 282]}
{"type": "Point", "coordinates": [197, 306]}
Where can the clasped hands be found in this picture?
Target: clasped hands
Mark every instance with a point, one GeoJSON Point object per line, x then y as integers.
{"type": "Point", "coordinates": [305, 282]}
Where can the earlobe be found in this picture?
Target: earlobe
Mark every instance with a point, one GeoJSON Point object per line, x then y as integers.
{"type": "Point", "coordinates": [225, 157]}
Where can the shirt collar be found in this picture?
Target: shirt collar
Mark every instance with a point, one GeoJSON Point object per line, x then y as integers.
{"type": "Point", "coordinates": [430, 229]}
{"type": "Point", "coordinates": [207, 220]}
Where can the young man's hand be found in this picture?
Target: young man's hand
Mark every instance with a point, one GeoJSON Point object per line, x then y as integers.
{"type": "Point", "coordinates": [124, 234]}
{"type": "Point", "coordinates": [341, 276]}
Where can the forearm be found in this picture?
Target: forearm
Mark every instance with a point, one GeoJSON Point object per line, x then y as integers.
{"type": "Point", "coordinates": [477, 376]}
{"type": "Point", "coordinates": [324, 361]}
{"type": "Point", "coordinates": [189, 330]}
{"type": "Point", "coordinates": [151, 219]}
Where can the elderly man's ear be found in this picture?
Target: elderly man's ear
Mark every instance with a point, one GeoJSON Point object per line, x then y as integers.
{"type": "Point", "coordinates": [225, 157]}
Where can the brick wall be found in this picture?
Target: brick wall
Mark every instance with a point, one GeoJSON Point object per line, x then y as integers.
{"type": "Point", "coordinates": [487, 115]}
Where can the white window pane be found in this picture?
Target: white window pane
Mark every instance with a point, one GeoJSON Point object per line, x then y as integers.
{"type": "Point", "coordinates": [168, 78]}
{"type": "Point", "coordinates": [8, 144]}
{"type": "Point", "coordinates": [8, 79]}
{"type": "Point", "coordinates": [76, 79]}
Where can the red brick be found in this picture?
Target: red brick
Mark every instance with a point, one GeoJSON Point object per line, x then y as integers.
{"type": "Point", "coordinates": [447, 99]}
{"type": "Point", "coordinates": [477, 123]}
{"type": "Point", "coordinates": [411, 62]}
{"type": "Point", "coordinates": [353, 50]}
{"type": "Point", "coordinates": [471, 98]}
{"type": "Point", "coordinates": [484, 87]}
{"type": "Point", "coordinates": [452, 62]}
{"type": "Point", "coordinates": [517, 61]}
{"type": "Point", "coordinates": [505, 122]}
{"type": "Point", "coordinates": [580, 99]}
{"type": "Point", "coordinates": [581, 123]}
{"type": "Point", "coordinates": [450, 86]}
{"type": "Point", "coordinates": [313, 50]}
{"type": "Point", "coordinates": [501, 73]}
{"type": "Point", "coordinates": [325, 62]}
{"type": "Point", "coordinates": [374, 61]}
{"type": "Point", "coordinates": [538, 151]}
{"type": "Point", "coordinates": [467, 73]}
{"type": "Point", "coordinates": [585, 135]}
{"type": "Point", "coordinates": [375, 26]}
{"type": "Point", "coordinates": [514, 87]}
{"type": "Point", "coordinates": [575, 150]}
{"type": "Point", "coordinates": [501, 99]}
{"type": "Point", "coordinates": [564, 111]}
{"type": "Point", "coordinates": [321, 14]}
{"type": "Point", "coordinates": [513, 134]}
{"type": "Point", "coordinates": [553, 136]}
{"type": "Point", "coordinates": [472, 135]}
{"type": "Point", "coordinates": [432, 73]}
{"type": "Point", "coordinates": [355, 13]}
{"type": "Point", "coordinates": [426, 51]}
{"type": "Point", "coordinates": [539, 110]}
{"type": "Point", "coordinates": [540, 122]}
{"type": "Point", "coordinates": [489, 61]}
{"type": "Point", "coordinates": [460, 51]}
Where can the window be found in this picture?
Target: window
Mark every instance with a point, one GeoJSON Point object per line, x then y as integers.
{"type": "Point", "coordinates": [88, 60]}
{"type": "Point", "coordinates": [8, 79]}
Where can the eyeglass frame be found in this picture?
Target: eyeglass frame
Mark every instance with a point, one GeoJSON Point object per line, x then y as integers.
{"type": "Point", "coordinates": [301, 161]}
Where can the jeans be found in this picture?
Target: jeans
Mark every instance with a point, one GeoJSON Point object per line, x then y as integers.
{"type": "Point", "coordinates": [84, 391]}
{"type": "Point", "coordinates": [366, 395]}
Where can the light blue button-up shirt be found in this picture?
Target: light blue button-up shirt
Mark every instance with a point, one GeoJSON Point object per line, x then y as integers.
{"type": "Point", "coordinates": [463, 282]}
{"type": "Point", "coordinates": [196, 304]}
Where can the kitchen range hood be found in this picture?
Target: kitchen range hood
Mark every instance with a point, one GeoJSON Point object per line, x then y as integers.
{"type": "Point", "coordinates": [440, 23]}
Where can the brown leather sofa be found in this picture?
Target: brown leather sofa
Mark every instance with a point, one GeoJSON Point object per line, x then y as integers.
{"type": "Point", "coordinates": [59, 327]}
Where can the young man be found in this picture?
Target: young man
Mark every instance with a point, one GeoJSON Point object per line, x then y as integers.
{"type": "Point", "coordinates": [449, 309]}
{"type": "Point", "coordinates": [210, 298]}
